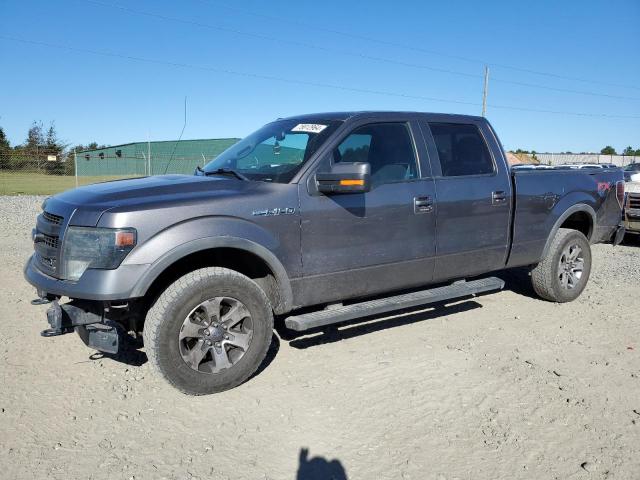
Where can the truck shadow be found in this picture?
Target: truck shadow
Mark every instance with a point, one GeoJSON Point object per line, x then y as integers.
{"type": "Point", "coordinates": [362, 326]}
{"type": "Point", "coordinates": [518, 280]}
{"type": "Point", "coordinates": [271, 354]}
{"type": "Point", "coordinates": [131, 354]}
{"type": "Point", "coordinates": [631, 240]}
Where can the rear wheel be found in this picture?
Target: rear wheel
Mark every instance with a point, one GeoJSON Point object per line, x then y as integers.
{"type": "Point", "coordinates": [209, 331]}
{"type": "Point", "coordinates": [563, 273]}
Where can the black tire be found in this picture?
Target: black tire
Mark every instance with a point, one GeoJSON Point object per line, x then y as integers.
{"type": "Point", "coordinates": [166, 320]}
{"type": "Point", "coordinates": [554, 278]}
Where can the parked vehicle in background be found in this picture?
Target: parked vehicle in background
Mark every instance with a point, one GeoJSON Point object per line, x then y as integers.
{"type": "Point", "coordinates": [632, 207]}
{"type": "Point", "coordinates": [579, 166]}
{"type": "Point", "coordinates": [321, 211]}
{"type": "Point", "coordinates": [632, 172]}
{"type": "Point", "coordinates": [528, 166]}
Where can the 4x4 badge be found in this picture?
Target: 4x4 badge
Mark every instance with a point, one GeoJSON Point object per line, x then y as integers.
{"type": "Point", "coordinates": [269, 212]}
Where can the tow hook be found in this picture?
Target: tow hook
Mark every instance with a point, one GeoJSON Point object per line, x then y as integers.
{"type": "Point", "coordinates": [43, 298]}
{"type": "Point", "coordinates": [54, 317]}
{"type": "Point", "coordinates": [40, 301]}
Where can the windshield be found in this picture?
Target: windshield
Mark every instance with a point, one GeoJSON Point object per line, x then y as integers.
{"type": "Point", "coordinates": [276, 152]}
{"type": "Point", "coordinates": [633, 167]}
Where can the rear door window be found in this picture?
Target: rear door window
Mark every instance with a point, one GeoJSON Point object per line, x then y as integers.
{"type": "Point", "coordinates": [462, 150]}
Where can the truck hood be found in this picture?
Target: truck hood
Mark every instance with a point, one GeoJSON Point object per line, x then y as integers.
{"type": "Point", "coordinates": [85, 205]}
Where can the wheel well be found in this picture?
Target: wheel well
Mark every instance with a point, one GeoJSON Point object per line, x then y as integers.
{"type": "Point", "coordinates": [580, 221]}
{"type": "Point", "coordinates": [241, 261]}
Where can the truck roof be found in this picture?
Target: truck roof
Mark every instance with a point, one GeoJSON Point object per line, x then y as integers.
{"type": "Point", "coordinates": [382, 114]}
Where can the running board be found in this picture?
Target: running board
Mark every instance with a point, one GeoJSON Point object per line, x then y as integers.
{"type": "Point", "coordinates": [408, 300]}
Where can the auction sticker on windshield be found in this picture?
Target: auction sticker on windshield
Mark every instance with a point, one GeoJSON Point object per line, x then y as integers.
{"type": "Point", "coordinates": [309, 127]}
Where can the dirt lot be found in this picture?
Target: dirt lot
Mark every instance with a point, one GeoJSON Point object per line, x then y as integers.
{"type": "Point", "coordinates": [503, 386]}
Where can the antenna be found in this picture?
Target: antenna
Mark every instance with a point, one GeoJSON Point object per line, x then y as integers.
{"type": "Point", "coordinates": [180, 137]}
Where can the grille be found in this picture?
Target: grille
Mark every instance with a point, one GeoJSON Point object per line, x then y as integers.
{"type": "Point", "coordinates": [48, 262]}
{"type": "Point", "coordinates": [51, 218]}
{"type": "Point", "coordinates": [50, 241]}
{"type": "Point", "coordinates": [633, 201]}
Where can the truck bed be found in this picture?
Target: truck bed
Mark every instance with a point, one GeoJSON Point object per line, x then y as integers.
{"type": "Point", "coordinates": [543, 196]}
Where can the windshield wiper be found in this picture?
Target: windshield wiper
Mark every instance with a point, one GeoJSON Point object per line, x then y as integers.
{"type": "Point", "coordinates": [227, 171]}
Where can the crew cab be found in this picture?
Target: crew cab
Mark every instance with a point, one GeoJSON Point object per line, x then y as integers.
{"type": "Point", "coordinates": [319, 219]}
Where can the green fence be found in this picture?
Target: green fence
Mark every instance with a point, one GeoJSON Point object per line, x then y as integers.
{"type": "Point", "coordinates": [42, 173]}
{"type": "Point", "coordinates": [150, 158]}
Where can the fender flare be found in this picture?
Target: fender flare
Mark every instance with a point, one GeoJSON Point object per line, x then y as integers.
{"type": "Point", "coordinates": [579, 207]}
{"type": "Point", "coordinates": [200, 244]}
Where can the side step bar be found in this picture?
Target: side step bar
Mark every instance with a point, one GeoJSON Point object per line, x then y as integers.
{"type": "Point", "coordinates": [321, 318]}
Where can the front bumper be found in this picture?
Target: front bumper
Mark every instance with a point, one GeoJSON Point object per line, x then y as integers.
{"type": "Point", "coordinates": [88, 321]}
{"type": "Point", "coordinates": [118, 284]}
{"type": "Point", "coordinates": [632, 219]}
{"type": "Point", "coordinates": [633, 225]}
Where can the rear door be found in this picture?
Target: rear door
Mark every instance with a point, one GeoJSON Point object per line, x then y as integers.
{"type": "Point", "coordinates": [473, 192]}
{"type": "Point", "coordinates": [363, 243]}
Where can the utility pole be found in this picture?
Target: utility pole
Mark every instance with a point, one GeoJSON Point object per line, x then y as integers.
{"type": "Point", "coordinates": [485, 91]}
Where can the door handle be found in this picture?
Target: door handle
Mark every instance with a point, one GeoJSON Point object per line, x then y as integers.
{"type": "Point", "coordinates": [422, 204]}
{"type": "Point", "coordinates": [498, 198]}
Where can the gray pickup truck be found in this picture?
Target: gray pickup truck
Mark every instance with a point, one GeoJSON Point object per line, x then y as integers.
{"type": "Point", "coordinates": [344, 214]}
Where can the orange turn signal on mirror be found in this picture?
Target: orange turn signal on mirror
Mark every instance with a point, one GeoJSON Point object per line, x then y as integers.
{"type": "Point", "coordinates": [349, 183]}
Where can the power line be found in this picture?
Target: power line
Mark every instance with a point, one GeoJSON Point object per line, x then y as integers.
{"type": "Point", "coordinates": [414, 48]}
{"type": "Point", "coordinates": [233, 72]}
{"type": "Point", "coordinates": [303, 82]}
{"type": "Point", "coordinates": [280, 40]}
{"type": "Point", "coordinates": [565, 90]}
{"type": "Point", "coordinates": [350, 53]}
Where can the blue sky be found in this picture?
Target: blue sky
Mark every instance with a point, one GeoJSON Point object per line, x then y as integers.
{"type": "Point", "coordinates": [115, 100]}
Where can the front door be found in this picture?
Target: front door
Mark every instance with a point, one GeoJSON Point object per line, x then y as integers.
{"type": "Point", "coordinates": [360, 244]}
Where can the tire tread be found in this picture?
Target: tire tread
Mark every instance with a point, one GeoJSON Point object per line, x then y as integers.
{"type": "Point", "coordinates": [156, 316]}
{"type": "Point", "coordinates": [543, 276]}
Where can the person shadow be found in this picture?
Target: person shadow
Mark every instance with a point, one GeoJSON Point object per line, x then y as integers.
{"type": "Point", "coordinates": [319, 468]}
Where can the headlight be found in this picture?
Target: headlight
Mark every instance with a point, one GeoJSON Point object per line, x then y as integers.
{"type": "Point", "coordinates": [87, 247]}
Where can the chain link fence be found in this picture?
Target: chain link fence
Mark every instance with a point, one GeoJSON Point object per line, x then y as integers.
{"type": "Point", "coordinates": [46, 173]}
{"type": "Point", "coordinates": [577, 158]}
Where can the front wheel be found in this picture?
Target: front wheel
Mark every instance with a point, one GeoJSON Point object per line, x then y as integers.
{"type": "Point", "coordinates": [563, 273]}
{"type": "Point", "coordinates": [208, 331]}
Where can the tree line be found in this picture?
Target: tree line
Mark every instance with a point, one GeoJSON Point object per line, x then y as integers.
{"type": "Point", "coordinates": [40, 145]}
{"type": "Point", "coordinates": [629, 151]}
{"type": "Point", "coordinates": [608, 150]}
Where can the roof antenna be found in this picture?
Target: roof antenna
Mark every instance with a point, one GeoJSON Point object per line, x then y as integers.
{"type": "Point", "coordinates": [180, 137]}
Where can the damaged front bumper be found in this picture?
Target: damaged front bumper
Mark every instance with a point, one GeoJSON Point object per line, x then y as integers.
{"type": "Point", "coordinates": [88, 320]}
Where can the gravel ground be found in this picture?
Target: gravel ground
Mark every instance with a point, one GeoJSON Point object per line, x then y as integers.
{"type": "Point", "coordinates": [503, 386]}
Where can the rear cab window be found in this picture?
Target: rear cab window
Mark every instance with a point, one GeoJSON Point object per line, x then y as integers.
{"type": "Point", "coordinates": [462, 150]}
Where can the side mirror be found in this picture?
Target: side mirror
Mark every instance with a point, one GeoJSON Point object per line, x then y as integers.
{"type": "Point", "coordinates": [345, 178]}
